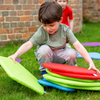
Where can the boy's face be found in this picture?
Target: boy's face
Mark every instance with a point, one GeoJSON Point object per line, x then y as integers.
{"type": "Point", "coordinates": [62, 3]}
{"type": "Point", "coordinates": [52, 27]}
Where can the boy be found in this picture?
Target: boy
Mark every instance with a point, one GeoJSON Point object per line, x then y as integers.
{"type": "Point", "coordinates": [50, 40]}
{"type": "Point", "coordinates": [67, 13]}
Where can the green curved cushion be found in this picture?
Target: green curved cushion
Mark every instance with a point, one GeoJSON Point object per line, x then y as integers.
{"type": "Point", "coordinates": [18, 73]}
{"type": "Point", "coordinates": [83, 88]}
{"type": "Point", "coordinates": [72, 84]}
{"type": "Point", "coordinates": [69, 78]}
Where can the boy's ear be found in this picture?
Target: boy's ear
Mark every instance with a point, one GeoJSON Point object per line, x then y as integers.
{"type": "Point", "coordinates": [61, 19]}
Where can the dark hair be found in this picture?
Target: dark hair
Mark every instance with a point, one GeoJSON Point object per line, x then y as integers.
{"type": "Point", "coordinates": [50, 12]}
{"type": "Point", "coordinates": [66, 0]}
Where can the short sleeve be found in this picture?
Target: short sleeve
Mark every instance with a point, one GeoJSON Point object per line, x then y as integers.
{"type": "Point", "coordinates": [70, 14]}
{"type": "Point", "coordinates": [39, 37]}
{"type": "Point", "coordinates": [70, 35]}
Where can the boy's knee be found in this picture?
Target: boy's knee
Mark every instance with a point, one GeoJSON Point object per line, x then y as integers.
{"type": "Point", "coordinates": [44, 50]}
{"type": "Point", "coordinates": [72, 54]}
{"type": "Point", "coordinates": [72, 57]}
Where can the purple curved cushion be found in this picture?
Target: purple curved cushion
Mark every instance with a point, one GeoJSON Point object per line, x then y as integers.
{"type": "Point", "coordinates": [18, 60]}
{"type": "Point", "coordinates": [91, 44]}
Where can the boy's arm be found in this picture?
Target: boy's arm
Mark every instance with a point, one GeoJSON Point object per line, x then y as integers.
{"type": "Point", "coordinates": [79, 47]}
{"type": "Point", "coordinates": [23, 49]}
{"type": "Point", "coordinates": [71, 22]}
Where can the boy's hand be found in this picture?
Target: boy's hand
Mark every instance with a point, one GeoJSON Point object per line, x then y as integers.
{"type": "Point", "coordinates": [92, 66]}
{"type": "Point", "coordinates": [13, 58]}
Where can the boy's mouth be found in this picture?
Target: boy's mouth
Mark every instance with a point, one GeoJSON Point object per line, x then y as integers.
{"type": "Point", "coordinates": [50, 31]}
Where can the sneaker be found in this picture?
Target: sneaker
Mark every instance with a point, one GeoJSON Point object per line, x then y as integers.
{"type": "Point", "coordinates": [68, 45]}
{"type": "Point", "coordinates": [42, 73]}
{"type": "Point", "coordinates": [75, 65]}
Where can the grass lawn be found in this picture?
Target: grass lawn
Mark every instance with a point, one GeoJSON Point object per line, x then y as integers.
{"type": "Point", "coordinates": [11, 90]}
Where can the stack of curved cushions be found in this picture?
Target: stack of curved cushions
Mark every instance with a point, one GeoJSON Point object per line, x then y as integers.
{"type": "Point", "coordinates": [72, 76]}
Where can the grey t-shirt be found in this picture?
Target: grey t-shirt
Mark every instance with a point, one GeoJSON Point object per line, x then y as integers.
{"type": "Point", "coordinates": [56, 40]}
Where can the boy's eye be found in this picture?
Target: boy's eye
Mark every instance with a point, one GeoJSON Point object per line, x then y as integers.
{"type": "Point", "coordinates": [44, 25]}
{"type": "Point", "coordinates": [51, 25]}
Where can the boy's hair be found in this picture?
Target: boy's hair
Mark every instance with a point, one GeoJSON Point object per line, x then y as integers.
{"type": "Point", "coordinates": [50, 12]}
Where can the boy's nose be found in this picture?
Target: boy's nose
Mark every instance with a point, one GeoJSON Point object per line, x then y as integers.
{"type": "Point", "coordinates": [48, 28]}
